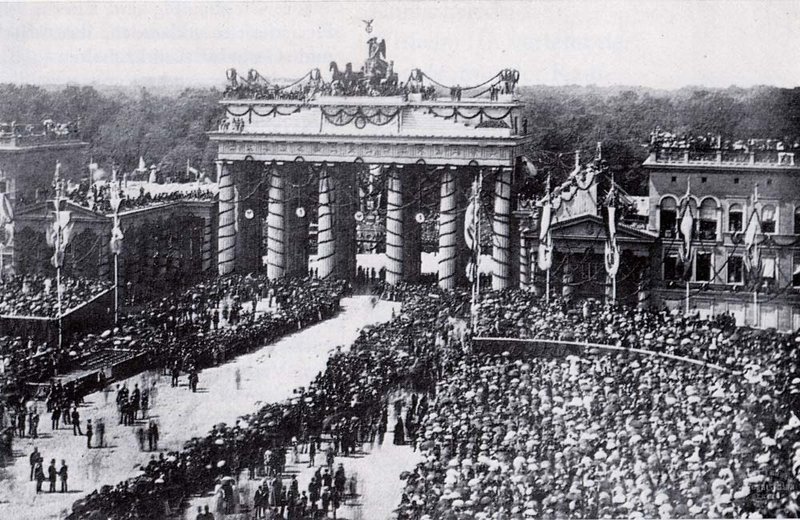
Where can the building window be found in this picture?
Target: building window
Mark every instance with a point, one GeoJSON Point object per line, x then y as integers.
{"type": "Point", "coordinates": [674, 179]}
{"type": "Point", "coordinates": [673, 267]}
{"type": "Point", "coordinates": [796, 271]}
{"type": "Point", "coordinates": [736, 180]}
{"type": "Point", "coordinates": [702, 266]}
{"type": "Point", "coordinates": [768, 267]}
{"type": "Point", "coordinates": [703, 180]}
{"type": "Point", "coordinates": [735, 218]}
{"type": "Point", "coordinates": [769, 182]}
{"type": "Point", "coordinates": [3, 186]}
{"type": "Point", "coordinates": [707, 226]}
{"type": "Point", "coordinates": [669, 217]}
{"type": "Point", "coordinates": [768, 219]}
{"type": "Point", "coordinates": [735, 269]}
{"type": "Point", "coordinates": [797, 220]}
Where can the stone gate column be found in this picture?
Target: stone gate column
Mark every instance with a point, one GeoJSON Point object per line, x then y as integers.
{"type": "Point", "coordinates": [208, 232]}
{"type": "Point", "coordinates": [326, 242]}
{"type": "Point", "coordinates": [524, 264]}
{"type": "Point", "coordinates": [448, 229]}
{"type": "Point", "coordinates": [394, 227]}
{"type": "Point", "coordinates": [297, 191]}
{"type": "Point", "coordinates": [501, 227]}
{"type": "Point", "coordinates": [226, 237]}
{"type": "Point", "coordinates": [276, 260]}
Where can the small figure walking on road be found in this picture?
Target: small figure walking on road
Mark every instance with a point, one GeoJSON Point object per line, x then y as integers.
{"type": "Point", "coordinates": [89, 433]}
{"type": "Point", "coordinates": [76, 421]}
{"type": "Point", "coordinates": [55, 416]}
{"type": "Point", "coordinates": [140, 437]}
{"type": "Point", "coordinates": [36, 458]}
{"type": "Point", "coordinates": [152, 436]}
{"type": "Point", "coordinates": [62, 472]}
{"type": "Point", "coordinates": [193, 380]}
{"type": "Point", "coordinates": [51, 475]}
{"type": "Point", "coordinates": [101, 432]}
{"type": "Point", "coordinates": [38, 475]}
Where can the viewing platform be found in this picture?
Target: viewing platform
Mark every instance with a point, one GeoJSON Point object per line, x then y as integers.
{"type": "Point", "coordinates": [49, 134]}
{"type": "Point", "coordinates": [712, 151]}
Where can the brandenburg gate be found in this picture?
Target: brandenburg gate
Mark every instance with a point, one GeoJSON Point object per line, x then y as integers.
{"type": "Point", "coordinates": [293, 152]}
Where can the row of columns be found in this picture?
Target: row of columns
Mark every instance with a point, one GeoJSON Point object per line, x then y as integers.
{"type": "Point", "coordinates": [336, 227]}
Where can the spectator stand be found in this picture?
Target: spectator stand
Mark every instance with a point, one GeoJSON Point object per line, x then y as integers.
{"type": "Point", "coordinates": [90, 316]}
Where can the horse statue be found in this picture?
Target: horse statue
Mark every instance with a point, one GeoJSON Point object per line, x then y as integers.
{"type": "Point", "coordinates": [336, 75]}
{"type": "Point", "coordinates": [509, 77]}
{"type": "Point", "coordinates": [233, 78]}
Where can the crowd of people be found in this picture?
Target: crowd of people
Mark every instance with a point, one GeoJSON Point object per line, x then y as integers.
{"type": "Point", "coordinates": [97, 197]}
{"type": "Point", "coordinates": [182, 333]}
{"type": "Point", "coordinates": [36, 295]}
{"type": "Point", "coordinates": [595, 435]}
{"type": "Point", "coordinates": [610, 435]}
{"type": "Point", "coordinates": [49, 129]}
{"type": "Point", "coordinates": [660, 139]}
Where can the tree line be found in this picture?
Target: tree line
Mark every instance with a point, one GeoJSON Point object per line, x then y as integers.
{"type": "Point", "coordinates": [167, 129]}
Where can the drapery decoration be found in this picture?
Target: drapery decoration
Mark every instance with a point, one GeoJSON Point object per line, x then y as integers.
{"type": "Point", "coordinates": [342, 116]}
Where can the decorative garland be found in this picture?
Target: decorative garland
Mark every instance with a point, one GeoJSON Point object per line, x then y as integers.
{"type": "Point", "coordinates": [580, 181]}
{"type": "Point", "coordinates": [456, 112]}
{"type": "Point", "coordinates": [273, 111]}
{"type": "Point", "coordinates": [345, 115]}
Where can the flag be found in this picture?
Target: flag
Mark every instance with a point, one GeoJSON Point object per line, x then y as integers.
{"type": "Point", "coordinates": [59, 235]}
{"type": "Point", "coordinates": [752, 257]}
{"type": "Point", "coordinates": [611, 247]}
{"type": "Point", "coordinates": [6, 211]}
{"type": "Point", "coordinates": [545, 256]}
{"type": "Point", "coordinates": [471, 230]}
{"type": "Point", "coordinates": [686, 229]}
{"type": "Point", "coordinates": [529, 166]}
{"type": "Point", "coordinates": [7, 219]}
{"type": "Point", "coordinates": [116, 240]}
{"type": "Point", "coordinates": [142, 167]}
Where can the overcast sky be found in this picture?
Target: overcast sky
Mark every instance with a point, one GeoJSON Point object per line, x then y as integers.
{"type": "Point", "coordinates": [658, 44]}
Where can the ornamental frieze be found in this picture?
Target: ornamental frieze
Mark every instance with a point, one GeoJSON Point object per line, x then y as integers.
{"type": "Point", "coordinates": [349, 151]}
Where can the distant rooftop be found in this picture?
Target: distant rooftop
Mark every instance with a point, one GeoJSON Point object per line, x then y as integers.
{"type": "Point", "coordinates": [713, 150]}
{"type": "Point", "coordinates": [15, 136]}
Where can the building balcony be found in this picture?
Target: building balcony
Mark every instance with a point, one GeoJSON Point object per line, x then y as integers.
{"type": "Point", "coordinates": [726, 158]}
{"type": "Point", "coordinates": [13, 142]}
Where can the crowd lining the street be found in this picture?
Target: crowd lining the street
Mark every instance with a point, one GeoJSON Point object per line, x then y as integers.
{"type": "Point", "coordinates": [603, 435]}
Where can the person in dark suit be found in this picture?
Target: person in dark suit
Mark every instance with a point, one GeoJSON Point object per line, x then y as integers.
{"type": "Point", "coordinates": [62, 472]}
{"type": "Point", "coordinates": [51, 475]}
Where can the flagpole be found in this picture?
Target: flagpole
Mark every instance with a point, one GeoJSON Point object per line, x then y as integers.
{"type": "Point", "coordinates": [116, 285]}
{"type": "Point", "coordinates": [614, 290]}
{"type": "Point", "coordinates": [58, 261]}
{"type": "Point", "coordinates": [614, 276]}
{"type": "Point", "coordinates": [115, 202]}
{"type": "Point", "coordinates": [476, 285]}
{"type": "Point", "coordinates": [686, 312]}
{"type": "Point", "coordinates": [547, 277]}
{"type": "Point", "coordinates": [755, 247]}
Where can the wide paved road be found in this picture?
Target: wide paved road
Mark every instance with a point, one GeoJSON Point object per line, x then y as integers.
{"type": "Point", "coordinates": [266, 375]}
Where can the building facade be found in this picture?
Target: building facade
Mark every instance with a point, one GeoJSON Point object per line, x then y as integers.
{"type": "Point", "coordinates": [727, 184]}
